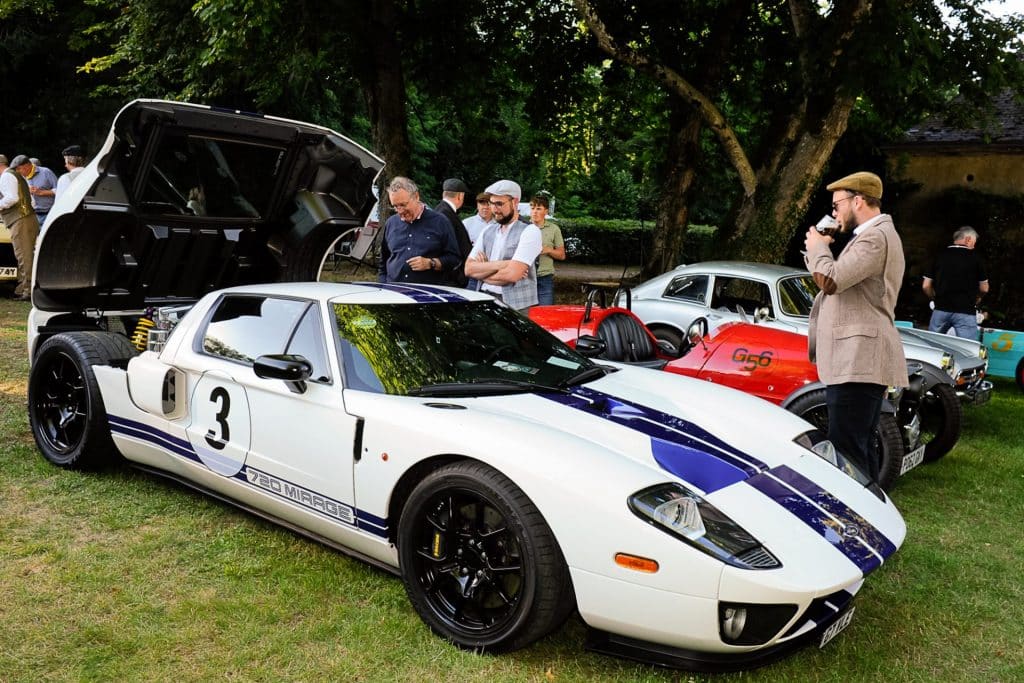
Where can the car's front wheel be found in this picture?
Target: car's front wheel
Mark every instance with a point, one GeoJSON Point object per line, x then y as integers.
{"type": "Point", "coordinates": [479, 563]}
{"type": "Point", "coordinates": [887, 440]}
{"type": "Point", "coordinates": [66, 412]}
{"type": "Point", "coordinates": [942, 418]}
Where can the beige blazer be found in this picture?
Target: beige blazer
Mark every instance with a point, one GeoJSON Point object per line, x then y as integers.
{"type": "Point", "coordinates": [852, 337]}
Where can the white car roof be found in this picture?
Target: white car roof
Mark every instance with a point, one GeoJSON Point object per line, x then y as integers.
{"type": "Point", "coordinates": [362, 292]}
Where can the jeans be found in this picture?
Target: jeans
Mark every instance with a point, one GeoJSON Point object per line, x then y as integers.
{"type": "Point", "coordinates": [545, 290]}
{"type": "Point", "coordinates": [853, 412]}
{"type": "Point", "coordinates": [965, 324]}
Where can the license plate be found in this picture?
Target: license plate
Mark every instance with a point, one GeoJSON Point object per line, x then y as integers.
{"type": "Point", "coordinates": [8, 272]}
{"type": "Point", "coordinates": [912, 460]}
{"type": "Point", "coordinates": [836, 628]}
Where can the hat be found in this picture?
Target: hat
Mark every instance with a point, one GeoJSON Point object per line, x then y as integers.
{"type": "Point", "coordinates": [20, 160]}
{"type": "Point", "coordinates": [73, 151]}
{"type": "Point", "coordinates": [507, 188]}
{"type": "Point", "coordinates": [483, 197]}
{"type": "Point", "coordinates": [454, 185]}
{"type": "Point", "coordinates": [3, 159]}
{"type": "Point", "coordinates": [868, 184]}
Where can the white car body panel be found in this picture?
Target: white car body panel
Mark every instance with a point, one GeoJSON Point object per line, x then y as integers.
{"type": "Point", "coordinates": [577, 467]}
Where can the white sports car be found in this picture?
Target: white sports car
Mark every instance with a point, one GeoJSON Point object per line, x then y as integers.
{"type": "Point", "coordinates": [439, 435]}
{"type": "Point", "coordinates": [506, 478]}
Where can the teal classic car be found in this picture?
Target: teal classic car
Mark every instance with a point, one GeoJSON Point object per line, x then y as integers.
{"type": "Point", "coordinates": [1005, 353]}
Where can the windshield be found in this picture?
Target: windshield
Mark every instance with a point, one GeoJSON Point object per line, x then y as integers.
{"type": "Point", "coordinates": [796, 295]}
{"type": "Point", "coordinates": [465, 348]}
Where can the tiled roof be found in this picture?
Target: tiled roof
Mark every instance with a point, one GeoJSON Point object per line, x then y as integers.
{"type": "Point", "coordinates": [1005, 126]}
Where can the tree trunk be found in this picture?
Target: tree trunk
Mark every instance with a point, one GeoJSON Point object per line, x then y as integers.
{"type": "Point", "coordinates": [673, 210]}
{"type": "Point", "coordinates": [787, 180]}
{"type": "Point", "coordinates": [383, 81]}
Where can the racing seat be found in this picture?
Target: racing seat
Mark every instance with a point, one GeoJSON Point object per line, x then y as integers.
{"type": "Point", "coordinates": [628, 342]}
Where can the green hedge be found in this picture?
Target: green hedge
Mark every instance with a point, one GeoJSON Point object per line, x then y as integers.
{"type": "Point", "coordinates": [626, 241]}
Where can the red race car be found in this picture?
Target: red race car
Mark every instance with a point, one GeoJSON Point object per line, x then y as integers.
{"type": "Point", "coordinates": [767, 362]}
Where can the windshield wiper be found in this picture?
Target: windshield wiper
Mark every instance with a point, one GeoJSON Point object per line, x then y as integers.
{"type": "Point", "coordinates": [481, 387]}
{"type": "Point", "coordinates": [586, 375]}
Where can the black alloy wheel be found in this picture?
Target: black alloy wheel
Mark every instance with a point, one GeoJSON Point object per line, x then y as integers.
{"type": "Point", "coordinates": [66, 411]}
{"type": "Point", "coordinates": [480, 565]}
{"type": "Point", "coordinates": [942, 418]}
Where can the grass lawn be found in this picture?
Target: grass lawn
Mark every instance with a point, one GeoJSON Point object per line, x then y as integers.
{"type": "Point", "coordinates": [121, 576]}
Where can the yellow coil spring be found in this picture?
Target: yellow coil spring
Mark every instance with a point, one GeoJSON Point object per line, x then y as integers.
{"type": "Point", "coordinates": [141, 335]}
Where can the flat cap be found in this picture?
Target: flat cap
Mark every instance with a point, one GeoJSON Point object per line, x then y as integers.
{"type": "Point", "coordinates": [868, 184]}
{"type": "Point", "coordinates": [20, 160]}
{"type": "Point", "coordinates": [483, 197]}
{"type": "Point", "coordinates": [454, 185]}
{"type": "Point", "coordinates": [3, 159]}
{"type": "Point", "coordinates": [73, 151]}
{"type": "Point", "coordinates": [505, 187]}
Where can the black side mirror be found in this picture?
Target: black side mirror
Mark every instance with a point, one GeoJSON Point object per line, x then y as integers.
{"type": "Point", "coordinates": [293, 370]}
{"type": "Point", "coordinates": [590, 346]}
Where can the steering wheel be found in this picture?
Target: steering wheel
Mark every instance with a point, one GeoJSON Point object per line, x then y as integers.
{"type": "Point", "coordinates": [497, 353]}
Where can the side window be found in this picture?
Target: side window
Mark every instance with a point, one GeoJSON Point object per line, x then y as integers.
{"type": "Point", "coordinates": [730, 292]}
{"type": "Point", "coordinates": [689, 288]}
{"type": "Point", "coordinates": [308, 342]}
{"type": "Point", "coordinates": [243, 328]}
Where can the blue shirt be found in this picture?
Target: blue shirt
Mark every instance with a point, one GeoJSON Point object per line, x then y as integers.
{"type": "Point", "coordinates": [430, 235]}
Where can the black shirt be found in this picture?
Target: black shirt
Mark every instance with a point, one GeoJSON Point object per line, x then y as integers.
{"type": "Point", "coordinates": [956, 275]}
{"type": "Point", "coordinates": [429, 236]}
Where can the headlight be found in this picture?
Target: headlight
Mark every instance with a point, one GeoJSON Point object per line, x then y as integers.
{"type": "Point", "coordinates": [816, 442]}
{"type": "Point", "coordinates": [682, 513]}
{"type": "Point", "coordinates": [947, 363]}
{"type": "Point", "coordinates": [982, 352]}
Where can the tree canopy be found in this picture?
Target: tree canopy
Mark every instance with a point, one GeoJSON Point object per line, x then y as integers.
{"type": "Point", "coordinates": [713, 111]}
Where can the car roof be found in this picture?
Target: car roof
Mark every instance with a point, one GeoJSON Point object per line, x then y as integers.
{"type": "Point", "coordinates": [361, 292]}
{"type": "Point", "coordinates": [740, 268]}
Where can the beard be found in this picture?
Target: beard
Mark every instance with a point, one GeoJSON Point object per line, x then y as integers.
{"type": "Point", "coordinates": [505, 219]}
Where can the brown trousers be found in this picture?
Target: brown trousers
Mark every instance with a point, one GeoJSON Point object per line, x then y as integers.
{"type": "Point", "coordinates": [24, 232]}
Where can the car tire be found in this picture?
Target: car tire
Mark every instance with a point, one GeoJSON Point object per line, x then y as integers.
{"type": "Point", "coordinates": [65, 408]}
{"type": "Point", "coordinates": [460, 524]}
{"type": "Point", "coordinates": [1018, 374]}
{"type": "Point", "coordinates": [942, 418]}
{"type": "Point", "coordinates": [888, 439]}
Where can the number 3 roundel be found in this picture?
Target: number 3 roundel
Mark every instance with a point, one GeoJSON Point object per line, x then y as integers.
{"type": "Point", "coordinates": [220, 430]}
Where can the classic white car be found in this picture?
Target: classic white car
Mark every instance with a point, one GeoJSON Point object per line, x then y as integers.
{"type": "Point", "coordinates": [508, 479]}
{"type": "Point", "coordinates": [432, 432]}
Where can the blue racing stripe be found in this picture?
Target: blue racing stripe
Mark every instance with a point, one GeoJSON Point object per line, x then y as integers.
{"type": "Point", "coordinates": [837, 508]}
{"type": "Point", "coordinates": [678, 446]}
{"type": "Point", "coordinates": [845, 539]}
{"type": "Point", "coordinates": [423, 294]}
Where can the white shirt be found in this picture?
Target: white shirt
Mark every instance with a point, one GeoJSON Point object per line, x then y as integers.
{"type": "Point", "coordinates": [868, 223]}
{"type": "Point", "coordinates": [527, 250]}
{"type": "Point", "coordinates": [8, 190]}
{"type": "Point", "coordinates": [65, 180]}
{"type": "Point", "coordinates": [475, 225]}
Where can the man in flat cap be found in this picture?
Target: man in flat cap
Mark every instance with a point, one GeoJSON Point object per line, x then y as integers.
{"type": "Point", "coordinates": [419, 246]}
{"type": "Point", "coordinates": [42, 183]}
{"type": "Point", "coordinates": [504, 256]}
{"type": "Point", "coordinates": [74, 161]}
{"type": "Point", "coordinates": [453, 194]}
{"type": "Point", "coordinates": [20, 219]}
{"type": "Point", "coordinates": [852, 337]}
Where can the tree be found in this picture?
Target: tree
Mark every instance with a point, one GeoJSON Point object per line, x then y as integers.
{"type": "Point", "coordinates": [794, 72]}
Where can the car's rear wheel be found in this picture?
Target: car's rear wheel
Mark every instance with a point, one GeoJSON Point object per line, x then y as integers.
{"type": "Point", "coordinates": [480, 565]}
{"type": "Point", "coordinates": [1019, 374]}
{"type": "Point", "coordinates": [942, 418]}
{"type": "Point", "coordinates": [887, 440]}
{"type": "Point", "coordinates": [65, 408]}
{"type": "Point", "coordinates": [673, 337]}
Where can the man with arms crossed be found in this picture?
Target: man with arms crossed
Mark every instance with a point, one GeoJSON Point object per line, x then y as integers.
{"type": "Point", "coordinates": [504, 256]}
{"type": "Point", "coordinates": [852, 337]}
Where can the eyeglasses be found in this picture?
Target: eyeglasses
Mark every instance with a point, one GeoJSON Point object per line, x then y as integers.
{"type": "Point", "coordinates": [500, 203]}
{"type": "Point", "coordinates": [835, 204]}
